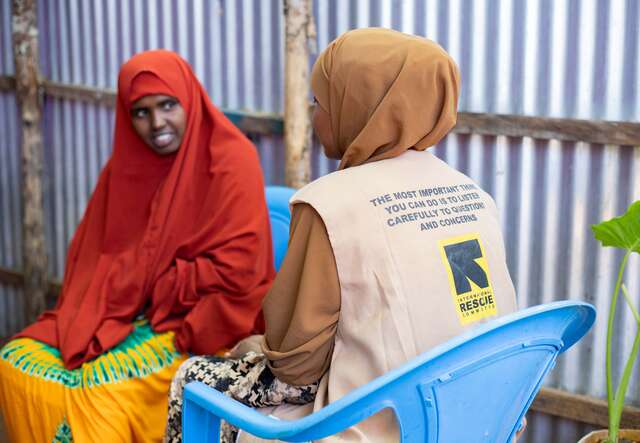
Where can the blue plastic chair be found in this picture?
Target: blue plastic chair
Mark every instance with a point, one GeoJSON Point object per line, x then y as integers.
{"type": "Point", "coordinates": [278, 205]}
{"type": "Point", "coordinates": [473, 388]}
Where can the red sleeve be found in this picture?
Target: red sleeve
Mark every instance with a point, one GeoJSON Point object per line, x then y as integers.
{"type": "Point", "coordinates": [213, 299]}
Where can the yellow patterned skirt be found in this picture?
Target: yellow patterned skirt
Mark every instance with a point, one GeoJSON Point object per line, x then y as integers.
{"type": "Point", "coordinates": [120, 396]}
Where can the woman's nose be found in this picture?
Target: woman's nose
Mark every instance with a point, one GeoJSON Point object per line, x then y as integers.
{"type": "Point", "coordinates": [157, 120]}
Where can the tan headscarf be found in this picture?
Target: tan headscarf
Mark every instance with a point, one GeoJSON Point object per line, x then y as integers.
{"type": "Point", "coordinates": [386, 92]}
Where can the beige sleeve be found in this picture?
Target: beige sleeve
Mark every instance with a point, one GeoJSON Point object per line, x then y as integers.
{"type": "Point", "coordinates": [302, 308]}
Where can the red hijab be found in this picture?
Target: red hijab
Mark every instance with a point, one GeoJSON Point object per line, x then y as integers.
{"type": "Point", "coordinates": [184, 238]}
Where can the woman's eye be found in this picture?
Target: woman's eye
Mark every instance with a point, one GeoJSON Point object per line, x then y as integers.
{"type": "Point", "coordinates": [139, 113]}
{"type": "Point", "coordinates": [168, 104]}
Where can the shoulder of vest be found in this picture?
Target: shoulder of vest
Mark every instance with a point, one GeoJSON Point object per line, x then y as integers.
{"type": "Point", "coordinates": [320, 184]}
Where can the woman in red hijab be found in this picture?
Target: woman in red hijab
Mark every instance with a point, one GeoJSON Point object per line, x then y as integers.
{"type": "Point", "coordinates": [172, 256]}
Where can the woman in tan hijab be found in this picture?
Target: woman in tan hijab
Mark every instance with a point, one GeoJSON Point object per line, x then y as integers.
{"type": "Point", "coordinates": [389, 256]}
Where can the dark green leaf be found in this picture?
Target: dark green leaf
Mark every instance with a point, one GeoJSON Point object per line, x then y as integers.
{"type": "Point", "coordinates": [621, 232]}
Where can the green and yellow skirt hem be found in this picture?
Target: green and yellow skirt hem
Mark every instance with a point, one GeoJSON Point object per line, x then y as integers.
{"type": "Point", "coordinates": [120, 396]}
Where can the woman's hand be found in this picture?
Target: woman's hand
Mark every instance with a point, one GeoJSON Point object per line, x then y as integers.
{"type": "Point", "coordinates": [251, 343]}
{"type": "Point", "coordinates": [521, 430]}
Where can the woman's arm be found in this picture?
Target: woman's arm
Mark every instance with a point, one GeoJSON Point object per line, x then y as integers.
{"type": "Point", "coordinates": [303, 306]}
{"type": "Point", "coordinates": [212, 291]}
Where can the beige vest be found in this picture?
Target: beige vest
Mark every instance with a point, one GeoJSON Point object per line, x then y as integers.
{"type": "Point", "coordinates": [420, 258]}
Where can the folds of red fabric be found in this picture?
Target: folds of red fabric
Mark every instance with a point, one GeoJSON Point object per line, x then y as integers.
{"type": "Point", "coordinates": [184, 238]}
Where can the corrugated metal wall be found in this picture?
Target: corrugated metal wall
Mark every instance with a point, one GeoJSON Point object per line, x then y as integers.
{"type": "Point", "coordinates": [560, 58]}
{"type": "Point", "coordinates": [11, 306]}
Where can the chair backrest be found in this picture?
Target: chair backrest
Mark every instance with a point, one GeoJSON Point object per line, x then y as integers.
{"type": "Point", "coordinates": [280, 217]}
{"type": "Point", "coordinates": [477, 387]}
{"type": "Point", "coordinates": [474, 388]}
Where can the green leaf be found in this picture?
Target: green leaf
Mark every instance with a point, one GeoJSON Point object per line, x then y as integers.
{"type": "Point", "coordinates": [621, 232]}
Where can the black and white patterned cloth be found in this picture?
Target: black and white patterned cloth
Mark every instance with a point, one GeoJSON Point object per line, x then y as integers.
{"type": "Point", "coordinates": [247, 379]}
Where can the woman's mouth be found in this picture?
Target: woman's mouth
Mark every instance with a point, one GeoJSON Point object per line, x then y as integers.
{"type": "Point", "coordinates": [163, 140]}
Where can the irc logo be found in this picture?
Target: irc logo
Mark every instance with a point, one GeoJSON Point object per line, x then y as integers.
{"type": "Point", "coordinates": [468, 272]}
{"type": "Point", "coordinates": [462, 261]}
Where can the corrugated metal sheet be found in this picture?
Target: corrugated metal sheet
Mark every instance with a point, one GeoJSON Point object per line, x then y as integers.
{"type": "Point", "coordinates": [235, 47]}
{"type": "Point", "coordinates": [562, 58]}
{"type": "Point", "coordinates": [549, 193]}
{"type": "Point", "coordinates": [78, 143]}
{"type": "Point", "coordinates": [11, 307]}
{"type": "Point", "coordinates": [557, 58]}
{"type": "Point", "coordinates": [6, 53]}
{"type": "Point", "coordinates": [542, 428]}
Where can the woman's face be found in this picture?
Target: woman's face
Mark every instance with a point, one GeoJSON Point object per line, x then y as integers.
{"type": "Point", "coordinates": [321, 122]}
{"type": "Point", "coordinates": [160, 121]}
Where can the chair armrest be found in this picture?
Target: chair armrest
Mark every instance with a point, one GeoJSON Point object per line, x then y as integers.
{"type": "Point", "coordinates": [232, 411]}
{"type": "Point", "coordinates": [332, 419]}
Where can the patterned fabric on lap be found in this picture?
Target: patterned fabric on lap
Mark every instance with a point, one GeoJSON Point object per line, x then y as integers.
{"type": "Point", "coordinates": [247, 379]}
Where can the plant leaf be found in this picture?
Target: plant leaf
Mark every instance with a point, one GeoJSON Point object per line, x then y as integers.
{"type": "Point", "coordinates": [621, 232]}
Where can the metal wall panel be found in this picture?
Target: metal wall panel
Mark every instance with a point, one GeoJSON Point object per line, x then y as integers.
{"type": "Point", "coordinates": [234, 46]}
{"type": "Point", "coordinates": [6, 51]}
{"type": "Point", "coordinates": [10, 204]}
{"type": "Point", "coordinates": [77, 144]}
{"type": "Point", "coordinates": [549, 193]}
{"type": "Point", "coordinates": [11, 308]}
{"type": "Point", "coordinates": [562, 58]}
{"type": "Point", "coordinates": [542, 428]}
